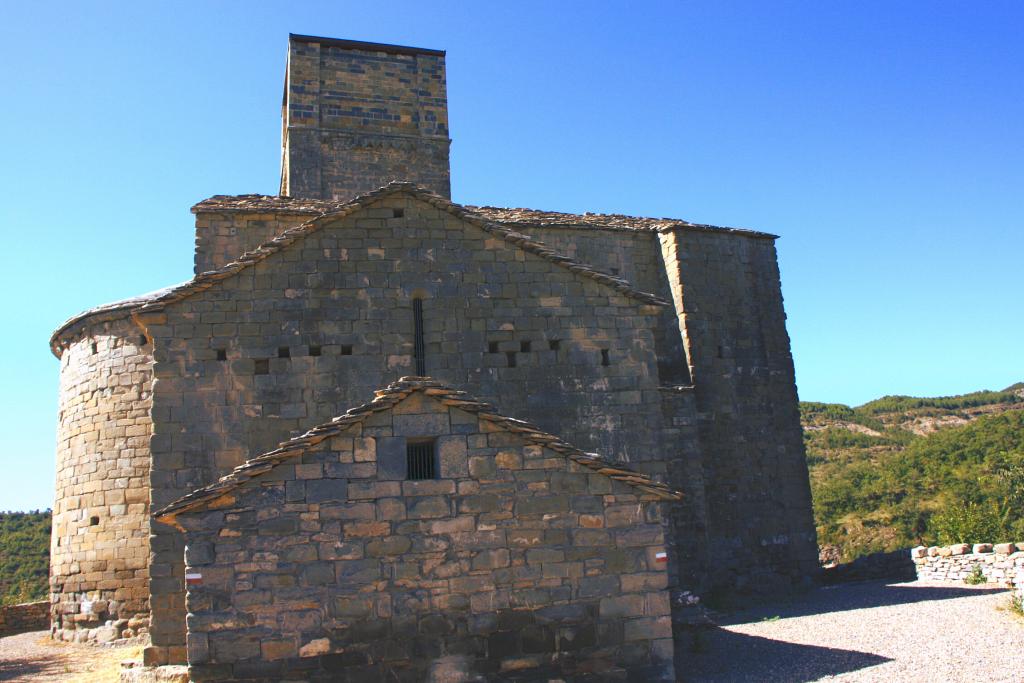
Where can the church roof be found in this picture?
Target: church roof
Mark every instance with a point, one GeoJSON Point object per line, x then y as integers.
{"type": "Point", "coordinates": [517, 217]}
{"type": "Point", "coordinates": [325, 212]}
{"type": "Point", "coordinates": [386, 399]}
{"type": "Point", "coordinates": [209, 279]}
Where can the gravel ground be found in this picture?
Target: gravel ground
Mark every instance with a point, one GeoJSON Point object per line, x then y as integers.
{"type": "Point", "coordinates": [869, 631]}
{"type": "Point", "coordinates": [34, 657]}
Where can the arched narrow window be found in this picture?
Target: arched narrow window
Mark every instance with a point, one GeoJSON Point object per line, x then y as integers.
{"type": "Point", "coordinates": [419, 348]}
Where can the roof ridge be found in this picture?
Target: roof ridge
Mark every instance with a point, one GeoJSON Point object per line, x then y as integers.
{"type": "Point", "coordinates": [204, 281]}
{"type": "Point", "coordinates": [387, 398]}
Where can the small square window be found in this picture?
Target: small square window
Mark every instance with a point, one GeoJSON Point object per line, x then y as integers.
{"type": "Point", "coordinates": [420, 460]}
{"type": "Point", "coordinates": [492, 347]}
{"type": "Point", "coordinates": [346, 349]}
{"type": "Point", "coordinates": [524, 346]}
{"type": "Point", "coordinates": [284, 352]}
{"type": "Point", "coordinates": [399, 213]}
{"type": "Point", "coordinates": [94, 521]}
{"type": "Point", "coordinates": [261, 366]}
{"type": "Point", "coordinates": [314, 350]}
{"type": "Point", "coordinates": [553, 344]}
{"type": "Point", "coordinates": [222, 354]}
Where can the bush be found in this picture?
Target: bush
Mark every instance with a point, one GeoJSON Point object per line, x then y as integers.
{"type": "Point", "coordinates": [968, 523]}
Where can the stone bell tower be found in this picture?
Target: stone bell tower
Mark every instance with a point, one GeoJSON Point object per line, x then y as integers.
{"type": "Point", "coordinates": [357, 116]}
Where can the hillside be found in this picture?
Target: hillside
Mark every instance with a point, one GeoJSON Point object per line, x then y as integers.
{"type": "Point", "coordinates": [24, 556]}
{"type": "Point", "coordinates": [901, 471]}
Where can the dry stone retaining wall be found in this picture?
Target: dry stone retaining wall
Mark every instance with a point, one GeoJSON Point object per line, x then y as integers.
{"type": "Point", "coordinates": [27, 616]}
{"type": "Point", "coordinates": [1001, 563]}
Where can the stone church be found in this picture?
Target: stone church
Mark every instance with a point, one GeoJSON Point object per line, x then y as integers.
{"type": "Point", "coordinates": [380, 435]}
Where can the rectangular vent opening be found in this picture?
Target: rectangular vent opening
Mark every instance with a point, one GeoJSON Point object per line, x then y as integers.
{"type": "Point", "coordinates": [314, 350]}
{"type": "Point", "coordinates": [222, 354]}
{"type": "Point", "coordinates": [261, 366]}
{"type": "Point", "coordinates": [399, 213]}
{"type": "Point", "coordinates": [346, 349]}
{"type": "Point", "coordinates": [94, 521]}
{"type": "Point", "coordinates": [420, 461]}
{"type": "Point", "coordinates": [284, 352]}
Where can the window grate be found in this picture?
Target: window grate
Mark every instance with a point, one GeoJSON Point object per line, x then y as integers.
{"type": "Point", "coordinates": [419, 457]}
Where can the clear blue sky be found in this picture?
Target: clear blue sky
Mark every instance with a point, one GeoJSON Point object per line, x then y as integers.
{"type": "Point", "coordinates": [884, 142]}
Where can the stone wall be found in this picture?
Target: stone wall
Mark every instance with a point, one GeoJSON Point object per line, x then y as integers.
{"type": "Point", "coordinates": [636, 256]}
{"type": "Point", "coordinates": [1000, 563]}
{"type": "Point", "coordinates": [317, 327]}
{"type": "Point", "coordinates": [727, 293]}
{"type": "Point", "coordinates": [222, 237]}
{"type": "Point", "coordinates": [516, 563]}
{"type": "Point", "coordinates": [99, 551]}
{"type": "Point", "coordinates": [28, 616]}
{"type": "Point", "coordinates": [358, 116]}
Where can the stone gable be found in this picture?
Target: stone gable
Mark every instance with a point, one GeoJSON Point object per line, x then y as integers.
{"type": "Point", "coordinates": [514, 563]}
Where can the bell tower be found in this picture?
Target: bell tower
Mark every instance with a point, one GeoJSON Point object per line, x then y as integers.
{"type": "Point", "coordinates": [357, 116]}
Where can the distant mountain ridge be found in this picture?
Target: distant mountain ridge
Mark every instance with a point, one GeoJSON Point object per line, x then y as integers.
{"type": "Point", "coordinates": [883, 474]}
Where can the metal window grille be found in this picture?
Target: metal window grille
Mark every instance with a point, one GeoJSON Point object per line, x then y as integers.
{"type": "Point", "coordinates": [419, 350]}
{"type": "Point", "coordinates": [419, 457]}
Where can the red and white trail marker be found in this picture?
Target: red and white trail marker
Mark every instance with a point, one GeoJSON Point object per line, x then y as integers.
{"type": "Point", "coordinates": [661, 557]}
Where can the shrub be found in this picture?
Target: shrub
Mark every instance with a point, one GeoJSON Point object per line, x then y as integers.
{"type": "Point", "coordinates": [968, 523]}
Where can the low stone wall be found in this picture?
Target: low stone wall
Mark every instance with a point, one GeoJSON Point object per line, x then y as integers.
{"type": "Point", "coordinates": [28, 616]}
{"type": "Point", "coordinates": [1001, 563]}
{"type": "Point", "coordinates": [894, 565]}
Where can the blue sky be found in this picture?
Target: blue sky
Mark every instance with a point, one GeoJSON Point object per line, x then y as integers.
{"type": "Point", "coordinates": [883, 141]}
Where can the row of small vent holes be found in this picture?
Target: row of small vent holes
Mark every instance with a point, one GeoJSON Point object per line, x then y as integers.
{"type": "Point", "coordinates": [262, 365]}
{"type": "Point", "coordinates": [527, 346]}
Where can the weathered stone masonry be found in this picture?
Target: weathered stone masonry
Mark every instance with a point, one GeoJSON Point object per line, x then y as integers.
{"type": "Point", "coordinates": [524, 559]}
{"type": "Point", "coordinates": [654, 342]}
{"type": "Point", "coordinates": [99, 552]}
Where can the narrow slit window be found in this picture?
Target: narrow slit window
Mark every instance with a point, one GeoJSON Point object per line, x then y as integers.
{"type": "Point", "coordinates": [95, 348]}
{"type": "Point", "coordinates": [222, 354]}
{"type": "Point", "coordinates": [284, 352]}
{"type": "Point", "coordinates": [420, 461]}
{"type": "Point", "coordinates": [314, 350]}
{"type": "Point", "coordinates": [492, 347]}
{"type": "Point", "coordinates": [346, 349]}
{"type": "Point", "coordinates": [419, 348]}
{"type": "Point", "coordinates": [511, 357]}
{"type": "Point", "coordinates": [605, 360]}
{"type": "Point", "coordinates": [261, 366]}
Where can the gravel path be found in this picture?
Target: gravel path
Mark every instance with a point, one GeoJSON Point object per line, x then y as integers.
{"type": "Point", "coordinates": [868, 632]}
{"type": "Point", "coordinates": [34, 657]}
